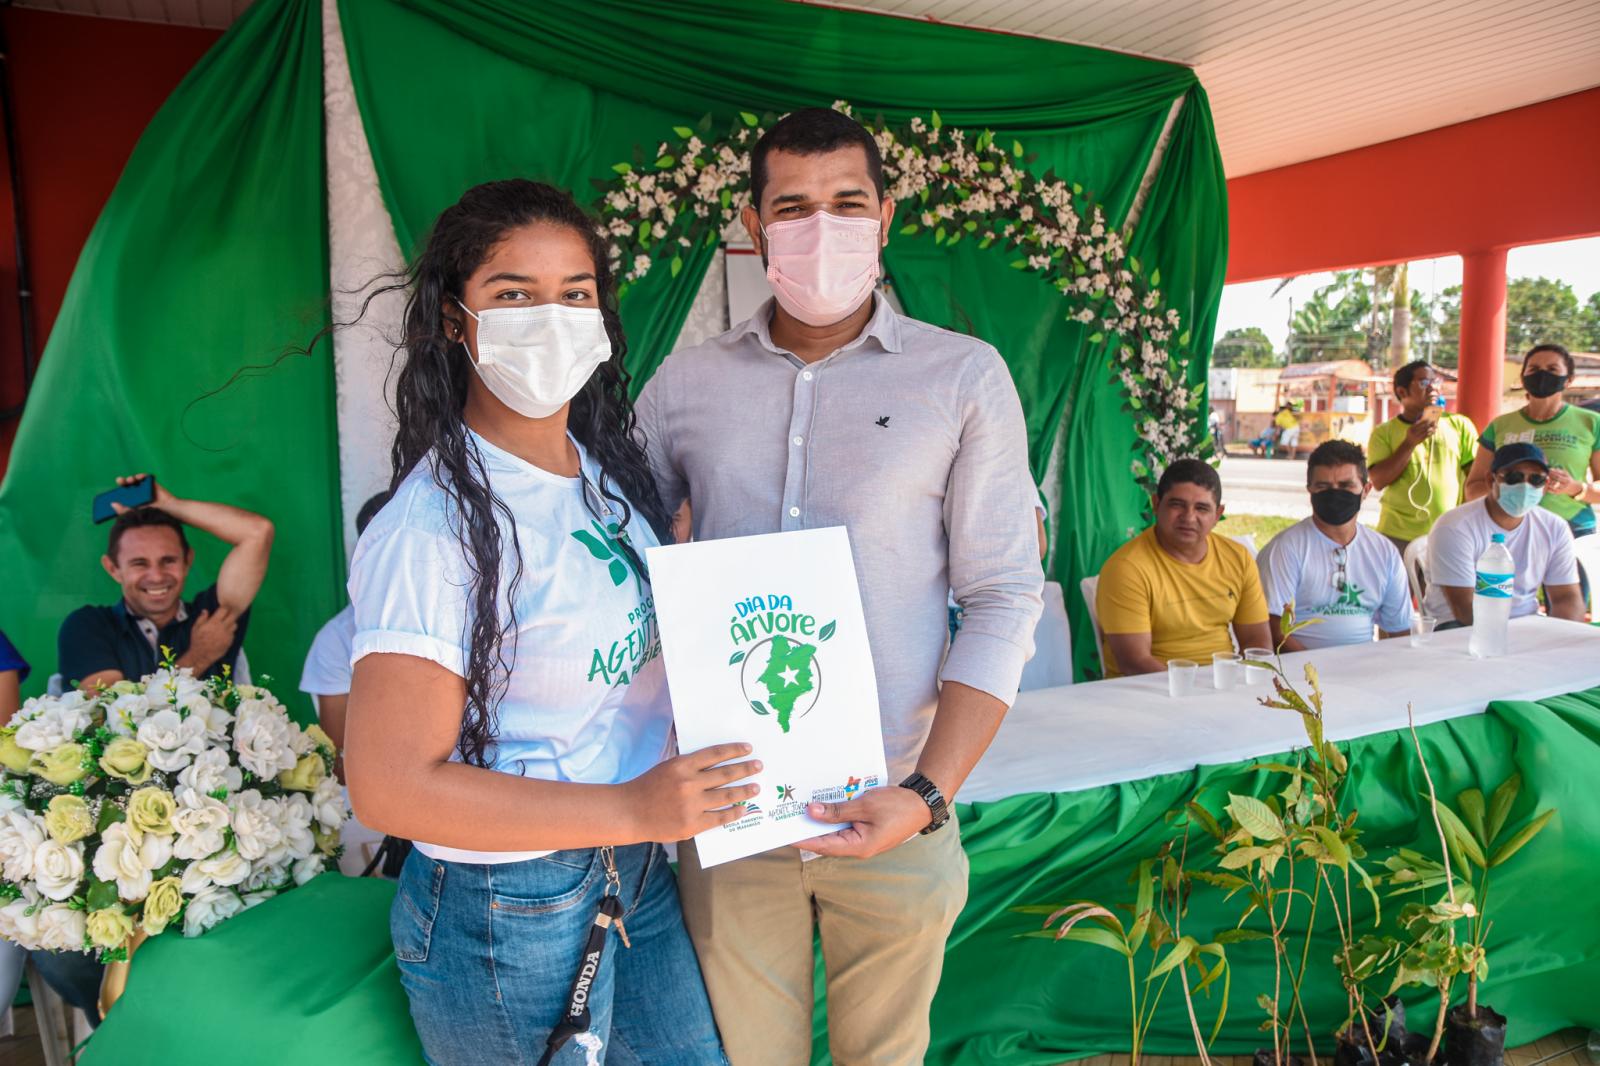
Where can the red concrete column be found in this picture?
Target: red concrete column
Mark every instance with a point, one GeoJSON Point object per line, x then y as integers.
{"type": "Point", "coordinates": [1483, 334]}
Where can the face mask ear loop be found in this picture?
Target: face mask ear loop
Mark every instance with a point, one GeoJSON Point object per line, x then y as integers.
{"type": "Point", "coordinates": [462, 340]}
{"type": "Point", "coordinates": [1411, 489]}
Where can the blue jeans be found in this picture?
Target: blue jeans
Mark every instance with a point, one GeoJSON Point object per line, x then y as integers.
{"type": "Point", "coordinates": [487, 954]}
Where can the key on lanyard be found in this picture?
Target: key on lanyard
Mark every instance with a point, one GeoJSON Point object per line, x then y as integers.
{"type": "Point", "coordinates": [577, 1019]}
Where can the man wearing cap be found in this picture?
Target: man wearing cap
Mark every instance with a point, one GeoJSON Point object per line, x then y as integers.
{"type": "Point", "coordinates": [1539, 541]}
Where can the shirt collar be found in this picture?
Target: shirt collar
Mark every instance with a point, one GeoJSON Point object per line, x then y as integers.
{"type": "Point", "coordinates": [123, 609]}
{"type": "Point", "coordinates": [883, 327]}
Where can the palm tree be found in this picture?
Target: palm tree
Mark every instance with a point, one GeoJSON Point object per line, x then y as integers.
{"type": "Point", "coordinates": [1400, 335]}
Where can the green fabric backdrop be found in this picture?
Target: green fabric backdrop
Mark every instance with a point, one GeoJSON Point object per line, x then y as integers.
{"type": "Point", "coordinates": [453, 95]}
{"type": "Point", "coordinates": [309, 978]}
{"type": "Point", "coordinates": [210, 256]}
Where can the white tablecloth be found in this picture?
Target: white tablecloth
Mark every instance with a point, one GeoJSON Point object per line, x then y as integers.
{"type": "Point", "coordinates": [1084, 736]}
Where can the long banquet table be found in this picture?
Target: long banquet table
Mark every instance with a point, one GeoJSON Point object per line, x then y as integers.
{"type": "Point", "coordinates": [1086, 736]}
{"type": "Point", "coordinates": [1071, 795]}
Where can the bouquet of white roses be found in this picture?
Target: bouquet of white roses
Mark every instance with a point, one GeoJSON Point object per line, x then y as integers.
{"type": "Point", "coordinates": [166, 802]}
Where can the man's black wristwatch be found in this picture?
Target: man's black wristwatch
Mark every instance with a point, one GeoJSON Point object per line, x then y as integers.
{"type": "Point", "coordinates": [930, 794]}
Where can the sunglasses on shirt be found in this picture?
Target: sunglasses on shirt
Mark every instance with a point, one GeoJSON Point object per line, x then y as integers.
{"type": "Point", "coordinates": [1341, 577]}
{"type": "Point", "coordinates": [1517, 477]}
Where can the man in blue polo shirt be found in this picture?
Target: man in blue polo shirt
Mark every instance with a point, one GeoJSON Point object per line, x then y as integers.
{"type": "Point", "coordinates": [149, 556]}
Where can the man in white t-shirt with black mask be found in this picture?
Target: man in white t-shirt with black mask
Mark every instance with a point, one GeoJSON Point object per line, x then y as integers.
{"type": "Point", "coordinates": [1539, 541]}
{"type": "Point", "coordinates": [1338, 574]}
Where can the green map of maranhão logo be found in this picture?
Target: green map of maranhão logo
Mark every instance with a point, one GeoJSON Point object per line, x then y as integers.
{"type": "Point", "coordinates": [775, 650]}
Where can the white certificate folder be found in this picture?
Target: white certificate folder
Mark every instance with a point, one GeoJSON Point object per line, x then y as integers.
{"type": "Point", "coordinates": [765, 642]}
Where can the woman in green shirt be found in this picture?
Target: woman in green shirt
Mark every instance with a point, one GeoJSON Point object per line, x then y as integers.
{"type": "Point", "coordinates": [1568, 435]}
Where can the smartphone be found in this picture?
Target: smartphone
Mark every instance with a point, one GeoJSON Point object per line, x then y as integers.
{"type": "Point", "coordinates": [135, 495]}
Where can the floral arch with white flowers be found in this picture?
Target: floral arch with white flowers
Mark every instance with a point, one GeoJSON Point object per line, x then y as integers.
{"type": "Point", "coordinates": [957, 188]}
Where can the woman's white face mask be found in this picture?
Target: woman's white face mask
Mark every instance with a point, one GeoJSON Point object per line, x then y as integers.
{"type": "Point", "coordinates": [535, 359]}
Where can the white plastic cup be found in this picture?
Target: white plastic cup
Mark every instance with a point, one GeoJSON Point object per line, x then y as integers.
{"type": "Point", "coordinates": [1180, 677]}
{"type": "Point", "coordinates": [1422, 626]}
{"type": "Point", "coordinates": [1255, 675]}
{"type": "Point", "coordinates": [1225, 670]}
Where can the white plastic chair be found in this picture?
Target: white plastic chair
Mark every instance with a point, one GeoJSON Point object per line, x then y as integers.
{"type": "Point", "coordinates": [1248, 540]}
{"type": "Point", "coordinates": [1051, 664]}
{"type": "Point", "coordinates": [1090, 587]}
{"type": "Point", "coordinates": [1416, 563]}
{"type": "Point", "coordinates": [1587, 549]}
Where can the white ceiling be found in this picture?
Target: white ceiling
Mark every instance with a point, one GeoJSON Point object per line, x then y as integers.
{"type": "Point", "coordinates": [1288, 79]}
{"type": "Point", "coordinates": [1296, 79]}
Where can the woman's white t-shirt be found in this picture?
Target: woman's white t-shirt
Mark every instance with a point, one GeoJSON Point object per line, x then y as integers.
{"type": "Point", "coordinates": [587, 697]}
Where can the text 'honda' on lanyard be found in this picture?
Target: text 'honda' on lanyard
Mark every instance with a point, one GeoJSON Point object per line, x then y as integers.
{"type": "Point", "coordinates": [576, 1021]}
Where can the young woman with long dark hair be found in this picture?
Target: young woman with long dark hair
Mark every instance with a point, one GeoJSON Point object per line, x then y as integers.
{"type": "Point", "coordinates": [508, 710]}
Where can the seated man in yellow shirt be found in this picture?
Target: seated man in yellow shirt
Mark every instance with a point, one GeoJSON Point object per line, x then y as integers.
{"type": "Point", "coordinates": [1173, 591]}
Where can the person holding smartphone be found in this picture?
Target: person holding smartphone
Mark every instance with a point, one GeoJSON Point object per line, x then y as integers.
{"type": "Point", "coordinates": [1419, 458]}
{"type": "Point", "coordinates": [508, 707]}
{"type": "Point", "coordinates": [149, 557]}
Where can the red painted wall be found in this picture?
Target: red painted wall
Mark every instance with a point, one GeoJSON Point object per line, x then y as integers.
{"type": "Point", "coordinates": [83, 90]}
{"type": "Point", "coordinates": [1517, 177]}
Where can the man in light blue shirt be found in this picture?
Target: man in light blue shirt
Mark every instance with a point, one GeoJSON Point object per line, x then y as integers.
{"type": "Point", "coordinates": [1337, 573]}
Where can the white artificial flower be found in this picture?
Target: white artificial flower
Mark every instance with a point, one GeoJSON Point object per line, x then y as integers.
{"type": "Point", "coordinates": [21, 834]}
{"type": "Point", "coordinates": [124, 713]}
{"type": "Point", "coordinates": [61, 928]}
{"type": "Point", "coordinates": [255, 824]}
{"type": "Point", "coordinates": [128, 862]}
{"type": "Point", "coordinates": [208, 907]}
{"type": "Point", "coordinates": [265, 875]}
{"type": "Point", "coordinates": [300, 741]}
{"type": "Point", "coordinates": [293, 814]}
{"type": "Point", "coordinates": [19, 919]}
{"type": "Point", "coordinates": [329, 805]}
{"type": "Point", "coordinates": [173, 740]}
{"type": "Point", "coordinates": [57, 869]}
{"type": "Point", "coordinates": [261, 737]}
{"type": "Point", "coordinates": [226, 868]}
{"type": "Point", "coordinates": [217, 720]}
{"type": "Point", "coordinates": [251, 899]}
{"type": "Point", "coordinates": [52, 727]}
{"type": "Point", "coordinates": [200, 822]}
{"type": "Point", "coordinates": [307, 868]}
{"type": "Point", "coordinates": [211, 771]}
{"type": "Point", "coordinates": [167, 686]}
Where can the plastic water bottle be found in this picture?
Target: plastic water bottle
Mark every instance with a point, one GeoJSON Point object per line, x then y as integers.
{"type": "Point", "coordinates": [1491, 600]}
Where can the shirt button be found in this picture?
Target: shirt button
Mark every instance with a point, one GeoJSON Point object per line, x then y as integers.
{"type": "Point", "coordinates": [799, 440]}
{"type": "Point", "coordinates": [794, 512]}
{"type": "Point", "coordinates": [807, 375]}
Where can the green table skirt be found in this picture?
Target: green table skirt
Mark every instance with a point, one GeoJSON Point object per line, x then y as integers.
{"type": "Point", "coordinates": [309, 978]}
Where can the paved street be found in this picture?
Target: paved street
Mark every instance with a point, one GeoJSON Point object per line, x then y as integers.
{"type": "Point", "coordinates": [1274, 486]}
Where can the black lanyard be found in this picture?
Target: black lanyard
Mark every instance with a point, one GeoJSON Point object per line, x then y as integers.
{"type": "Point", "coordinates": [577, 1018]}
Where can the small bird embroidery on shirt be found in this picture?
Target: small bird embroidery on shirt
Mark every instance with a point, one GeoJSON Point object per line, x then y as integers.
{"type": "Point", "coordinates": [883, 423]}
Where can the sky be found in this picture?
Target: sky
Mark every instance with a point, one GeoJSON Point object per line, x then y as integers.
{"type": "Point", "coordinates": [1251, 303]}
